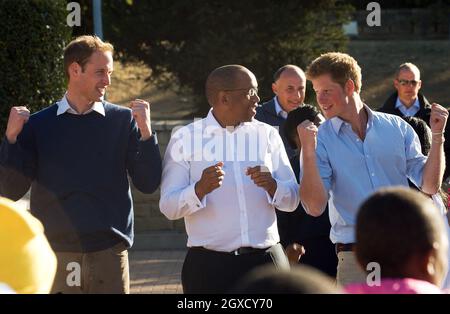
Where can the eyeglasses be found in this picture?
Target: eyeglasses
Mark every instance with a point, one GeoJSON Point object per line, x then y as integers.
{"type": "Point", "coordinates": [250, 92]}
{"type": "Point", "coordinates": [413, 83]}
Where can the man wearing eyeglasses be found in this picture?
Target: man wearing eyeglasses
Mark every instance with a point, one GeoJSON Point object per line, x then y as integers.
{"type": "Point", "coordinates": [224, 175]}
{"type": "Point", "coordinates": [407, 101]}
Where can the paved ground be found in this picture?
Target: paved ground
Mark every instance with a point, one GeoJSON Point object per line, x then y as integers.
{"type": "Point", "coordinates": [156, 271]}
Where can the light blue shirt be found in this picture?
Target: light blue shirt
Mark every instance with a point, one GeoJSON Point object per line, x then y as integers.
{"type": "Point", "coordinates": [408, 112]}
{"type": "Point", "coordinates": [280, 112]}
{"type": "Point", "coordinates": [352, 169]}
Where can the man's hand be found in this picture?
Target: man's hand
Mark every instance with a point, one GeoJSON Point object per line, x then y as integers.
{"type": "Point", "coordinates": [18, 116]}
{"type": "Point", "coordinates": [294, 252]}
{"type": "Point", "coordinates": [262, 177]}
{"type": "Point", "coordinates": [141, 113]}
{"type": "Point", "coordinates": [212, 178]}
{"type": "Point", "coordinates": [307, 134]}
{"type": "Point", "coordinates": [438, 119]}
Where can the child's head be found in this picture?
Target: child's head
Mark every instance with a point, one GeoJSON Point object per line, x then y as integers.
{"type": "Point", "coordinates": [402, 231]}
{"type": "Point", "coordinates": [27, 262]}
{"type": "Point", "coordinates": [300, 279]}
{"type": "Point", "coordinates": [297, 116]}
{"type": "Point", "coordinates": [423, 131]}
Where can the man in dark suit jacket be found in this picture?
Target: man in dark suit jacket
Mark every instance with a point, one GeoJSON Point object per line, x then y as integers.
{"type": "Point", "coordinates": [407, 101]}
{"type": "Point", "coordinates": [289, 87]}
{"type": "Point", "coordinates": [297, 227]}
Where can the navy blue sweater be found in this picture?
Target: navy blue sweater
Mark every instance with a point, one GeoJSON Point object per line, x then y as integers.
{"type": "Point", "coordinates": [77, 167]}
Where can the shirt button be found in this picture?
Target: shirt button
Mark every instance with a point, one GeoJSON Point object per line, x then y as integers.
{"type": "Point", "coordinates": [373, 174]}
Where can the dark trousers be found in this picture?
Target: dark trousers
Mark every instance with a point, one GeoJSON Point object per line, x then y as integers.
{"type": "Point", "coordinates": [211, 272]}
{"type": "Point", "coordinates": [320, 253]}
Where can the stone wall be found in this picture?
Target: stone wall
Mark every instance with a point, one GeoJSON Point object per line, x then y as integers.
{"type": "Point", "coordinates": [431, 23]}
{"type": "Point", "coordinates": [148, 218]}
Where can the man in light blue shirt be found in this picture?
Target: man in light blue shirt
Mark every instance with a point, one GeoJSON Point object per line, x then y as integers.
{"type": "Point", "coordinates": [358, 151]}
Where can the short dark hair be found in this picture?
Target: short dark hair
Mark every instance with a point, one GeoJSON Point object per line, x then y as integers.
{"type": "Point", "coordinates": [423, 131]}
{"type": "Point", "coordinates": [224, 77]}
{"type": "Point", "coordinates": [294, 118]}
{"type": "Point", "coordinates": [392, 226]}
{"type": "Point", "coordinates": [299, 280]}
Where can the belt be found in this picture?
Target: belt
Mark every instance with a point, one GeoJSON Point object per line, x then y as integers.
{"type": "Point", "coordinates": [237, 252]}
{"type": "Point", "coordinates": [344, 247]}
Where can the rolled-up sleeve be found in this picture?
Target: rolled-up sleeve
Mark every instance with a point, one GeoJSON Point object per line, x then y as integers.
{"type": "Point", "coordinates": [415, 160]}
{"type": "Point", "coordinates": [178, 197]}
{"type": "Point", "coordinates": [286, 197]}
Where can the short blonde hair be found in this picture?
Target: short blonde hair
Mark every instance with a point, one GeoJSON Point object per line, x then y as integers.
{"type": "Point", "coordinates": [81, 48]}
{"type": "Point", "coordinates": [341, 67]}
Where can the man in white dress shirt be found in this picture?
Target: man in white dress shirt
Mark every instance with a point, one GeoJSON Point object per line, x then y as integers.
{"type": "Point", "coordinates": [224, 175]}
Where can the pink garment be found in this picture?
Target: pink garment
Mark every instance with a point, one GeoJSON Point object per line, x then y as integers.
{"type": "Point", "coordinates": [395, 286]}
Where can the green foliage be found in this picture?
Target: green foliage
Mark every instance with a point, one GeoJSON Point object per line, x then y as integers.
{"type": "Point", "coordinates": [32, 36]}
{"type": "Point", "coordinates": [188, 39]}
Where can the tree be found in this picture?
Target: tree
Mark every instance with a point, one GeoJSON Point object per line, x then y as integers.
{"type": "Point", "coordinates": [33, 34]}
{"type": "Point", "coordinates": [184, 41]}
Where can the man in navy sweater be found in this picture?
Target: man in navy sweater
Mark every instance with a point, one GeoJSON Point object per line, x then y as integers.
{"type": "Point", "coordinates": [76, 155]}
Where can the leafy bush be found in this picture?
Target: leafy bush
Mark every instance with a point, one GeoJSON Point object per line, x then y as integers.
{"type": "Point", "coordinates": [33, 34]}
{"type": "Point", "coordinates": [185, 40]}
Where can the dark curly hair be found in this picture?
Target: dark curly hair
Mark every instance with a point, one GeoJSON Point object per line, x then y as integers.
{"type": "Point", "coordinates": [294, 118]}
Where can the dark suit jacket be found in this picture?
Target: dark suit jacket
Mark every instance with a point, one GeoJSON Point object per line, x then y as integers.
{"type": "Point", "coordinates": [424, 113]}
{"type": "Point", "coordinates": [267, 113]}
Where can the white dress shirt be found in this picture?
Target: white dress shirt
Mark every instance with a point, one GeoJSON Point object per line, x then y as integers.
{"type": "Point", "coordinates": [238, 213]}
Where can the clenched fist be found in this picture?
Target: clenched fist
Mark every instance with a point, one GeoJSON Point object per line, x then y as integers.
{"type": "Point", "coordinates": [141, 113]}
{"type": "Point", "coordinates": [212, 178]}
{"type": "Point", "coordinates": [307, 133]}
{"type": "Point", "coordinates": [18, 116]}
{"type": "Point", "coordinates": [294, 252]}
{"type": "Point", "coordinates": [438, 118]}
{"type": "Point", "coordinates": [262, 177]}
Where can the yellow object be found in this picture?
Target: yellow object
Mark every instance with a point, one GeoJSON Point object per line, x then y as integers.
{"type": "Point", "coordinates": [27, 262]}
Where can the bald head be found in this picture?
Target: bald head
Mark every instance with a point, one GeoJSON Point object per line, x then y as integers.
{"type": "Point", "coordinates": [223, 78]}
{"type": "Point", "coordinates": [288, 69]}
{"type": "Point", "coordinates": [408, 66]}
{"type": "Point", "coordinates": [289, 87]}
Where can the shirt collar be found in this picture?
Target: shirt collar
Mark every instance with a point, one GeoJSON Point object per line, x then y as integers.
{"type": "Point", "coordinates": [399, 104]}
{"type": "Point", "coordinates": [212, 125]}
{"type": "Point", "coordinates": [280, 112]}
{"type": "Point", "coordinates": [337, 122]}
{"type": "Point", "coordinates": [63, 107]}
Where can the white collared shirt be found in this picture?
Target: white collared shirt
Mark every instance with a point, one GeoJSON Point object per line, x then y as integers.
{"type": "Point", "coordinates": [280, 112]}
{"type": "Point", "coordinates": [64, 106]}
{"type": "Point", "coordinates": [408, 112]}
{"type": "Point", "coordinates": [238, 213]}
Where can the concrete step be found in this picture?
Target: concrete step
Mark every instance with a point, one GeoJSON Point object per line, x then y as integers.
{"type": "Point", "coordinates": [160, 240]}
